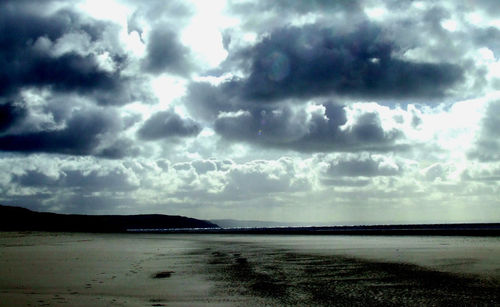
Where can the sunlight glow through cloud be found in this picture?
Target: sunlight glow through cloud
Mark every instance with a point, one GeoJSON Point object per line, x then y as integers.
{"type": "Point", "coordinates": [203, 34]}
{"type": "Point", "coordinates": [106, 10]}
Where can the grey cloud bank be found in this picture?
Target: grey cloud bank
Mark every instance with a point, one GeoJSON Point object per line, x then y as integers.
{"type": "Point", "coordinates": [312, 61]}
{"type": "Point", "coordinates": [309, 132]}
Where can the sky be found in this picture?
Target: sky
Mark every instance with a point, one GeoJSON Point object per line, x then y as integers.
{"type": "Point", "coordinates": [320, 112]}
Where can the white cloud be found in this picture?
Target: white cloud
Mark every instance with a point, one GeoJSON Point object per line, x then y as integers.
{"type": "Point", "coordinates": [106, 10]}
{"type": "Point", "coordinates": [203, 34]}
{"type": "Point", "coordinates": [376, 13]}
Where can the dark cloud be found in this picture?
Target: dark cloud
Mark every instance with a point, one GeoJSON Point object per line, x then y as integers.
{"type": "Point", "coordinates": [490, 175]}
{"type": "Point", "coordinates": [34, 179]}
{"type": "Point", "coordinates": [165, 53]}
{"type": "Point", "coordinates": [80, 136]}
{"type": "Point", "coordinates": [27, 58]}
{"type": "Point", "coordinates": [201, 167]}
{"type": "Point", "coordinates": [224, 165]}
{"type": "Point", "coordinates": [69, 72]}
{"type": "Point", "coordinates": [167, 124]}
{"type": "Point", "coordinates": [70, 79]}
{"type": "Point", "coordinates": [163, 164]}
{"type": "Point", "coordinates": [295, 6]}
{"type": "Point", "coordinates": [26, 65]}
{"type": "Point", "coordinates": [365, 167]}
{"type": "Point", "coordinates": [487, 145]}
{"type": "Point", "coordinates": [68, 125]}
{"type": "Point", "coordinates": [416, 120]}
{"type": "Point", "coordinates": [114, 180]}
{"type": "Point", "coordinates": [204, 166]}
{"type": "Point", "coordinates": [489, 7]}
{"type": "Point", "coordinates": [10, 114]}
{"type": "Point", "coordinates": [345, 182]}
{"type": "Point", "coordinates": [183, 166]}
{"type": "Point", "coordinates": [120, 148]}
{"type": "Point", "coordinates": [308, 132]}
{"type": "Point", "coordinates": [84, 181]}
{"type": "Point", "coordinates": [487, 37]}
{"type": "Point", "coordinates": [313, 61]}
{"type": "Point", "coordinates": [295, 63]}
{"type": "Point", "coordinates": [205, 101]}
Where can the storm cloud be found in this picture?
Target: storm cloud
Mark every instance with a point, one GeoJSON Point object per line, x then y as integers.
{"type": "Point", "coordinates": [310, 61]}
{"type": "Point", "coordinates": [26, 60]}
{"type": "Point", "coordinates": [51, 51]}
{"type": "Point", "coordinates": [81, 135]}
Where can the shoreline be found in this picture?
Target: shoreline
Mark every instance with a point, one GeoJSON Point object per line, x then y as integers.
{"type": "Point", "coordinates": [481, 230]}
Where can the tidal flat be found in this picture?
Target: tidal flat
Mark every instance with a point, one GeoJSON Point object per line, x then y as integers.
{"type": "Point", "coordinates": [83, 269]}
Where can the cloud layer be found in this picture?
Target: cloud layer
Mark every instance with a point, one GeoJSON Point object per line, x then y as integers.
{"type": "Point", "coordinates": [323, 111]}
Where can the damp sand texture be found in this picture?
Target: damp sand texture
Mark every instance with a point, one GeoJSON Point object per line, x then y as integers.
{"type": "Point", "coordinates": [54, 269]}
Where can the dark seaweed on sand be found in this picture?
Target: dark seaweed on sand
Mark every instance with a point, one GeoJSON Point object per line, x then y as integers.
{"type": "Point", "coordinates": [163, 274]}
{"type": "Point", "coordinates": [284, 278]}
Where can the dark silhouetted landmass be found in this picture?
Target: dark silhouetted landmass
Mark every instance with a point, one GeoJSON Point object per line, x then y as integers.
{"type": "Point", "coordinates": [21, 219]}
{"type": "Point", "coordinates": [231, 223]}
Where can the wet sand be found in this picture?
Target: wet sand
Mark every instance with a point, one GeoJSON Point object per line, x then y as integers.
{"type": "Point", "coordinates": [71, 269]}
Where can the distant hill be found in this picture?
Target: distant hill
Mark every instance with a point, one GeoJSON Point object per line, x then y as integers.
{"type": "Point", "coordinates": [21, 219]}
{"type": "Point", "coordinates": [229, 223]}
{"type": "Point", "coordinates": [232, 223]}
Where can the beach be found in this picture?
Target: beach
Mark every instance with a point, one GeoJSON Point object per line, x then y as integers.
{"type": "Point", "coordinates": [82, 269]}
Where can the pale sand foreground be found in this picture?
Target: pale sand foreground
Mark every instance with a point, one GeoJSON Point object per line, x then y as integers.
{"type": "Point", "coordinates": [48, 269]}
